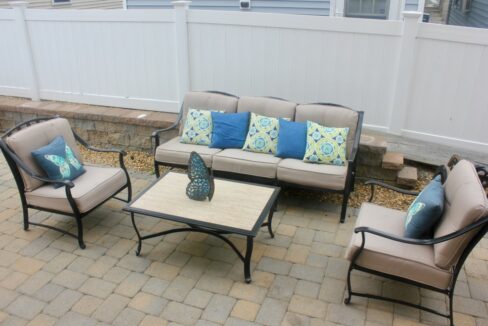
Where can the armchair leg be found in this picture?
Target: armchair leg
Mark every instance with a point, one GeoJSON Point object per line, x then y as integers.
{"type": "Point", "coordinates": [345, 199]}
{"type": "Point", "coordinates": [451, 316]}
{"type": "Point", "coordinates": [349, 291]}
{"type": "Point", "coordinates": [25, 211]}
{"type": "Point", "coordinates": [80, 232]}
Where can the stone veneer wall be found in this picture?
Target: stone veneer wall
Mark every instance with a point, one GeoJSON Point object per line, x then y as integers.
{"type": "Point", "coordinates": [100, 126]}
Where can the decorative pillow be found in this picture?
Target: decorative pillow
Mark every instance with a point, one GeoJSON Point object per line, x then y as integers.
{"type": "Point", "coordinates": [198, 127]}
{"type": "Point", "coordinates": [292, 139]}
{"type": "Point", "coordinates": [263, 134]}
{"type": "Point", "coordinates": [425, 211]}
{"type": "Point", "coordinates": [58, 161]}
{"type": "Point", "coordinates": [325, 145]}
{"type": "Point", "coordinates": [229, 129]}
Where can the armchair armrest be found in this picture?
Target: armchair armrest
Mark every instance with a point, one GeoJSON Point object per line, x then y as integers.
{"type": "Point", "coordinates": [374, 183]}
{"type": "Point", "coordinates": [447, 237]}
{"type": "Point", "coordinates": [29, 171]}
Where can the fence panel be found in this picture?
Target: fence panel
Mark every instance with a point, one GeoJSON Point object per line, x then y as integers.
{"type": "Point", "coordinates": [353, 65]}
{"type": "Point", "coordinates": [109, 58]}
{"type": "Point", "coordinates": [449, 101]}
{"type": "Point", "coordinates": [14, 78]}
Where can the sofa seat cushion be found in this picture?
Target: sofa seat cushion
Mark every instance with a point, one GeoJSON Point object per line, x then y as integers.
{"type": "Point", "coordinates": [242, 162]}
{"type": "Point", "coordinates": [312, 175]}
{"type": "Point", "coordinates": [413, 262]}
{"type": "Point", "coordinates": [174, 152]}
{"type": "Point", "coordinates": [91, 188]}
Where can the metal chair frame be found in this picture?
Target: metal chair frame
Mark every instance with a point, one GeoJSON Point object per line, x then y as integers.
{"type": "Point", "coordinates": [16, 165]}
{"type": "Point", "coordinates": [481, 226]}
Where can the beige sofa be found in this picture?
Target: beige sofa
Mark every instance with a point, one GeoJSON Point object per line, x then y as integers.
{"type": "Point", "coordinates": [266, 168]}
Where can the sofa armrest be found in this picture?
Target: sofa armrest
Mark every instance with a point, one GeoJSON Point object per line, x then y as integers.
{"type": "Point", "coordinates": [155, 133]}
{"type": "Point", "coordinates": [357, 138]}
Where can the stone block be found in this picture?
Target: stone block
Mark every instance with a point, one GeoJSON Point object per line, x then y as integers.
{"type": "Point", "coordinates": [392, 161]}
{"type": "Point", "coordinates": [407, 177]}
{"type": "Point", "coordinates": [371, 150]}
{"type": "Point", "coordinates": [374, 172]}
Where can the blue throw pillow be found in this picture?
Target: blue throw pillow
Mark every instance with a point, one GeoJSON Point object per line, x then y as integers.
{"type": "Point", "coordinates": [424, 213]}
{"type": "Point", "coordinates": [292, 139]}
{"type": "Point", "coordinates": [229, 129]}
{"type": "Point", "coordinates": [58, 161]}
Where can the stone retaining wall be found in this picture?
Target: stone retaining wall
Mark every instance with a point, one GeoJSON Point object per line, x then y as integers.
{"type": "Point", "coordinates": [100, 126]}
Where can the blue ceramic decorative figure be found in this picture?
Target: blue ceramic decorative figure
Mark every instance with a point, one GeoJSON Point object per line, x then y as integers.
{"type": "Point", "coordinates": [201, 185]}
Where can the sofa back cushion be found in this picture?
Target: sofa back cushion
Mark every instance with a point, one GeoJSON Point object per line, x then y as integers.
{"type": "Point", "coordinates": [207, 101]}
{"type": "Point", "coordinates": [27, 140]}
{"type": "Point", "coordinates": [269, 107]}
{"type": "Point", "coordinates": [465, 203]}
{"type": "Point", "coordinates": [330, 116]}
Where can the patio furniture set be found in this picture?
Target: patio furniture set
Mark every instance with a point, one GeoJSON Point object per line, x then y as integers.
{"type": "Point", "coordinates": [382, 244]}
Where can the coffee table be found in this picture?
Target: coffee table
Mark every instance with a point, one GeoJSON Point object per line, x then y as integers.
{"type": "Point", "coordinates": [236, 208]}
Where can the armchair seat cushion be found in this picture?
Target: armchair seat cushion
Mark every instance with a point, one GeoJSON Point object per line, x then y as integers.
{"type": "Point", "coordinates": [91, 188]}
{"type": "Point", "coordinates": [312, 175]}
{"type": "Point", "coordinates": [174, 152]}
{"type": "Point", "coordinates": [243, 162]}
{"type": "Point", "coordinates": [413, 262]}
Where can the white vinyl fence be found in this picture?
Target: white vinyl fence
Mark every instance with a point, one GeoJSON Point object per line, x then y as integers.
{"type": "Point", "coordinates": [423, 80]}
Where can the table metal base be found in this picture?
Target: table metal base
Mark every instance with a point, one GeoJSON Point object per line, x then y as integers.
{"type": "Point", "coordinates": [246, 259]}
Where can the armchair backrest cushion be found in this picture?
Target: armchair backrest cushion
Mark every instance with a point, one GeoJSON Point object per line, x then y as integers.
{"type": "Point", "coordinates": [207, 101]}
{"type": "Point", "coordinates": [330, 116]}
{"type": "Point", "coordinates": [465, 203]}
{"type": "Point", "coordinates": [27, 140]}
{"type": "Point", "coordinates": [269, 107]}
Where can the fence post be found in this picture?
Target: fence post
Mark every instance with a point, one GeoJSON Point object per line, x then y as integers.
{"type": "Point", "coordinates": [181, 37]}
{"type": "Point", "coordinates": [19, 9]}
{"type": "Point", "coordinates": [404, 73]}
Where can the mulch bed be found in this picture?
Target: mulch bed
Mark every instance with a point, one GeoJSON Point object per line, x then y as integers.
{"type": "Point", "coordinates": [143, 162]}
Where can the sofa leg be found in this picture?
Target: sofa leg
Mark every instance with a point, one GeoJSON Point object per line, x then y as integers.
{"type": "Point", "coordinates": [156, 169]}
{"type": "Point", "coordinates": [345, 199]}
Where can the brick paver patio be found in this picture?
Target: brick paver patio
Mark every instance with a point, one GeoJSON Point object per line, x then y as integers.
{"type": "Point", "coordinates": [191, 279]}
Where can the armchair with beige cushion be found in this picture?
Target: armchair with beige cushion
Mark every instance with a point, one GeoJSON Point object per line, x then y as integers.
{"type": "Point", "coordinates": [76, 198]}
{"type": "Point", "coordinates": [378, 245]}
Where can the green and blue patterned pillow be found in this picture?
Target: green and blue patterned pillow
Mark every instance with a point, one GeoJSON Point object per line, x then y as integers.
{"type": "Point", "coordinates": [262, 136]}
{"type": "Point", "coordinates": [198, 127]}
{"type": "Point", "coordinates": [326, 145]}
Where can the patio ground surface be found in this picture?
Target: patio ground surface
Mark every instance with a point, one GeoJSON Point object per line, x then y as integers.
{"type": "Point", "coordinates": [187, 279]}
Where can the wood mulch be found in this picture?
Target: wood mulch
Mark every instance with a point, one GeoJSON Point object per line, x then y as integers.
{"type": "Point", "coordinates": [143, 162]}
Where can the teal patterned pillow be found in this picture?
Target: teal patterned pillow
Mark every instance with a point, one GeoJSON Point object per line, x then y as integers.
{"type": "Point", "coordinates": [198, 127]}
{"type": "Point", "coordinates": [325, 145]}
{"type": "Point", "coordinates": [262, 136]}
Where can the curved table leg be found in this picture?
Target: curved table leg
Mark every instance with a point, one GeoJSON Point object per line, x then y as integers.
{"type": "Point", "coordinates": [139, 244]}
{"type": "Point", "coordinates": [247, 260]}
